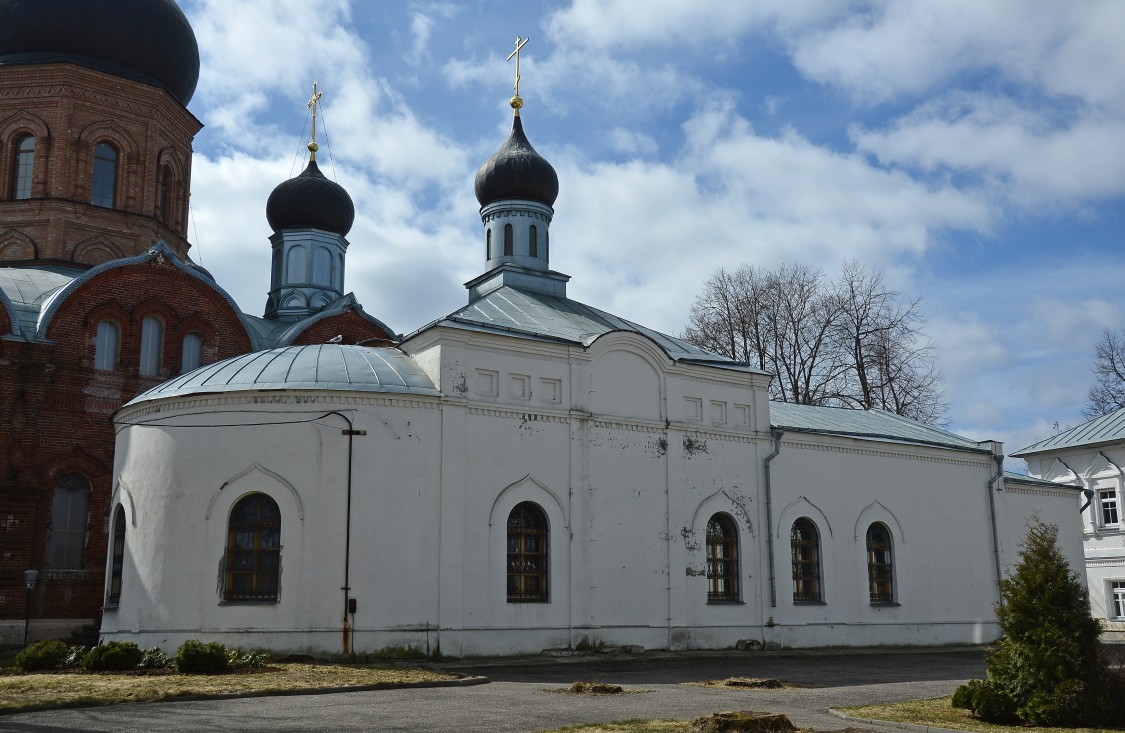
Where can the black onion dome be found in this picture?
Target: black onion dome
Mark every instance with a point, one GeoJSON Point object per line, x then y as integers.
{"type": "Point", "coordinates": [516, 171]}
{"type": "Point", "coordinates": [149, 41]}
{"type": "Point", "coordinates": [310, 201]}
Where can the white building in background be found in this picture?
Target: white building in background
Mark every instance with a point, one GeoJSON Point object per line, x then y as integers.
{"type": "Point", "coordinates": [1090, 457]}
{"type": "Point", "coordinates": [529, 473]}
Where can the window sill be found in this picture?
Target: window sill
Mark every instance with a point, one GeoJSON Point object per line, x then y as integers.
{"type": "Point", "coordinates": [731, 602]}
{"type": "Point", "coordinates": [885, 604]}
{"type": "Point", "coordinates": [111, 606]}
{"type": "Point", "coordinates": [528, 601]}
{"type": "Point", "coordinates": [250, 603]}
{"type": "Point", "coordinates": [809, 603]}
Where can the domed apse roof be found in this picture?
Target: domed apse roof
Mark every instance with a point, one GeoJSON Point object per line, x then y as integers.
{"type": "Point", "coordinates": [149, 41]}
{"type": "Point", "coordinates": [336, 367]}
{"type": "Point", "coordinates": [310, 201]}
{"type": "Point", "coordinates": [516, 171]}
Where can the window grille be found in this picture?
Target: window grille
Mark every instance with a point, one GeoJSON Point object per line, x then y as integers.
{"type": "Point", "coordinates": [722, 559]}
{"type": "Point", "coordinates": [253, 550]}
{"type": "Point", "coordinates": [69, 517]}
{"type": "Point", "coordinates": [880, 570]}
{"type": "Point", "coordinates": [527, 555]}
{"type": "Point", "coordinates": [805, 543]}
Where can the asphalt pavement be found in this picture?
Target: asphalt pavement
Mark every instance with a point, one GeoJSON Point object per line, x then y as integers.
{"type": "Point", "coordinates": [523, 695]}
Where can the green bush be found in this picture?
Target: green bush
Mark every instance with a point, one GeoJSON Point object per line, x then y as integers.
{"type": "Point", "coordinates": [247, 658]}
{"type": "Point", "coordinates": [42, 655]}
{"type": "Point", "coordinates": [154, 658]}
{"type": "Point", "coordinates": [963, 696]}
{"type": "Point", "coordinates": [116, 656]}
{"type": "Point", "coordinates": [1069, 704]}
{"type": "Point", "coordinates": [195, 657]}
{"type": "Point", "coordinates": [993, 705]}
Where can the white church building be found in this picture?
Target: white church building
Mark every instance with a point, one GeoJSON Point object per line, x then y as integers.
{"type": "Point", "coordinates": [530, 473]}
{"type": "Point", "coordinates": [1091, 458]}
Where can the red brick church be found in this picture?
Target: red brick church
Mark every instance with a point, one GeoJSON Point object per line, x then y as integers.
{"type": "Point", "coordinates": [99, 297]}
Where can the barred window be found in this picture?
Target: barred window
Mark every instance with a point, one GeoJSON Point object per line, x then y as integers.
{"type": "Point", "coordinates": [253, 550]}
{"type": "Point", "coordinates": [880, 568]}
{"type": "Point", "coordinates": [806, 562]}
{"type": "Point", "coordinates": [117, 559]}
{"type": "Point", "coordinates": [527, 554]}
{"type": "Point", "coordinates": [70, 510]}
{"type": "Point", "coordinates": [105, 175]}
{"type": "Point", "coordinates": [25, 161]}
{"type": "Point", "coordinates": [722, 559]}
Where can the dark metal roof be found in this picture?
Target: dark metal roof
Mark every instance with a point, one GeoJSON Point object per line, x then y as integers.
{"type": "Point", "coordinates": [1105, 429]}
{"type": "Point", "coordinates": [310, 201]}
{"type": "Point", "coordinates": [516, 171]}
{"type": "Point", "coordinates": [873, 424]}
{"type": "Point", "coordinates": [535, 315]}
{"type": "Point", "coordinates": [339, 367]}
{"type": "Point", "coordinates": [146, 40]}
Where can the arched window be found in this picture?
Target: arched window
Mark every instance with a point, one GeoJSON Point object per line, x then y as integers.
{"type": "Point", "coordinates": [533, 241]}
{"type": "Point", "coordinates": [69, 516]}
{"type": "Point", "coordinates": [806, 562]}
{"type": "Point", "coordinates": [527, 555]}
{"type": "Point", "coordinates": [295, 266]}
{"type": "Point", "coordinates": [507, 240]}
{"type": "Point", "coordinates": [722, 559]}
{"type": "Point", "coordinates": [193, 352]}
{"type": "Point", "coordinates": [880, 567]}
{"type": "Point", "coordinates": [547, 245]}
{"type": "Point", "coordinates": [106, 346]}
{"type": "Point", "coordinates": [117, 558]}
{"type": "Point", "coordinates": [105, 175]}
{"type": "Point", "coordinates": [164, 196]}
{"type": "Point", "coordinates": [24, 163]}
{"type": "Point", "coordinates": [322, 267]}
{"type": "Point", "coordinates": [488, 244]}
{"type": "Point", "coordinates": [253, 550]}
{"type": "Point", "coordinates": [152, 346]}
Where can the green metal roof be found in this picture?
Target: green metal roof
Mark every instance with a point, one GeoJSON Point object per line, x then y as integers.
{"type": "Point", "coordinates": [871, 424]}
{"type": "Point", "coordinates": [1105, 429]}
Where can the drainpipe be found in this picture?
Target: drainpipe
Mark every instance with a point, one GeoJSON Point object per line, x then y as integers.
{"type": "Point", "coordinates": [999, 460]}
{"type": "Point", "coordinates": [349, 603]}
{"type": "Point", "coordinates": [777, 433]}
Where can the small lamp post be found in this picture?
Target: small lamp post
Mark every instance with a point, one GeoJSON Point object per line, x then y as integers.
{"type": "Point", "coordinates": [29, 578]}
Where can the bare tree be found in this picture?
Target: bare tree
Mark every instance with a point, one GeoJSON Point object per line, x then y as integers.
{"type": "Point", "coordinates": [854, 343]}
{"type": "Point", "coordinates": [1107, 394]}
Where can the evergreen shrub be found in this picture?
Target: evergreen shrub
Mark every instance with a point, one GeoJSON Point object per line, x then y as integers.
{"type": "Point", "coordinates": [195, 657]}
{"type": "Point", "coordinates": [48, 654]}
{"type": "Point", "coordinates": [154, 658]}
{"type": "Point", "coordinates": [115, 656]}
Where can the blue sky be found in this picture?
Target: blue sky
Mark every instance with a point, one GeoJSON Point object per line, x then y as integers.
{"type": "Point", "coordinates": [974, 151]}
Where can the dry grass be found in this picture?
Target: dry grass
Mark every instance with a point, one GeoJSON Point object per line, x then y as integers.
{"type": "Point", "coordinates": [26, 692]}
{"type": "Point", "coordinates": [749, 683]}
{"type": "Point", "coordinates": [629, 726]}
{"type": "Point", "coordinates": [940, 713]}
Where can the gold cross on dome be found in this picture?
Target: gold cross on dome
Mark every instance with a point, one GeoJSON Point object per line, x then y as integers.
{"type": "Point", "coordinates": [317, 94]}
{"type": "Point", "coordinates": [520, 43]}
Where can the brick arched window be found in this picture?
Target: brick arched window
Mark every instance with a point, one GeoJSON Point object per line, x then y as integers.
{"type": "Point", "coordinates": [152, 346]}
{"type": "Point", "coordinates": [805, 541]}
{"type": "Point", "coordinates": [880, 564]}
{"type": "Point", "coordinates": [164, 196]}
{"type": "Point", "coordinates": [117, 557]}
{"type": "Point", "coordinates": [70, 508]}
{"type": "Point", "coordinates": [253, 563]}
{"type": "Point", "coordinates": [104, 184]}
{"type": "Point", "coordinates": [22, 167]}
{"type": "Point", "coordinates": [722, 559]}
{"type": "Point", "coordinates": [528, 537]}
{"type": "Point", "coordinates": [193, 352]}
{"type": "Point", "coordinates": [107, 345]}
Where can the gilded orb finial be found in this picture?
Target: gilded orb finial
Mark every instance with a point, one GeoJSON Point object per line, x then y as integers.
{"type": "Point", "coordinates": [516, 101]}
{"type": "Point", "coordinates": [316, 95]}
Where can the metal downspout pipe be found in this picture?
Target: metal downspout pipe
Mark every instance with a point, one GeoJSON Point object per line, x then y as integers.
{"type": "Point", "coordinates": [999, 460]}
{"type": "Point", "coordinates": [777, 433]}
{"type": "Point", "coordinates": [351, 432]}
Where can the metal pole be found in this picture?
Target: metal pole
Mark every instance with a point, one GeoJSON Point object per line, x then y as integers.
{"type": "Point", "coordinates": [27, 621]}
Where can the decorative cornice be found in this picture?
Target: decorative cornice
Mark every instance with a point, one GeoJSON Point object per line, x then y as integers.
{"type": "Point", "coordinates": [902, 455]}
{"type": "Point", "coordinates": [176, 405]}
